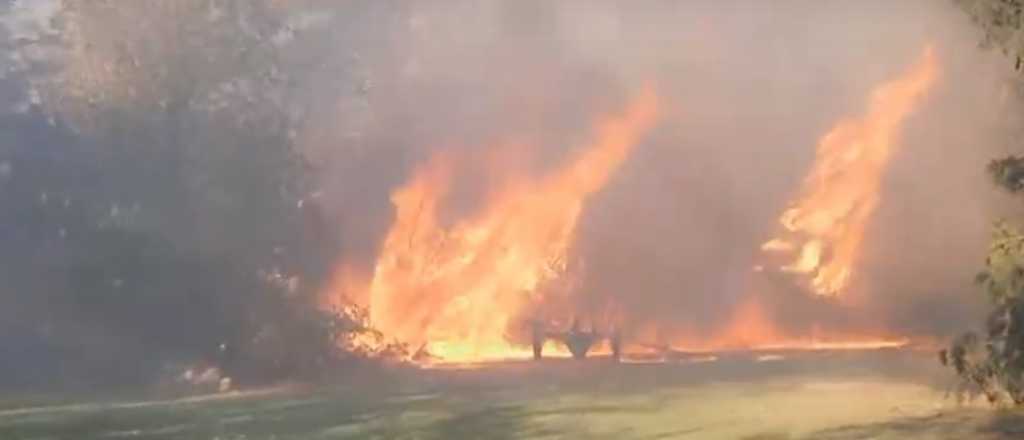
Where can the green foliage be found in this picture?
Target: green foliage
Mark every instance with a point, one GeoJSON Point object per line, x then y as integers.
{"type": "Point", "coordinates": [166, 217]}
{"type": "Point", "coordinates": [1003, 276]}
{"type": "Point", "coordinates": [1001, 21]}
{"type": "Point", "coordinates": [1008, 173]}
{"type": "Point", "coordinates": [993, 363]}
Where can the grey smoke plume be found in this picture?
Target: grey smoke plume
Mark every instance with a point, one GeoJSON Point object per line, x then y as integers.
{"type": "Point", "coordinates": [368, 90]}
{"type": "Point", "coordinates": [748, 88]}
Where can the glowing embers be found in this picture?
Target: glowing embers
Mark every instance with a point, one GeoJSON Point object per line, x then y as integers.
{"type": "Point", "coordinates": [825, 225]}
{"type": "Point", "coordinates": [459, 291]}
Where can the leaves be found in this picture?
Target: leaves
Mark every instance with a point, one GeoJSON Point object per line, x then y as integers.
{"type": "Point", "coordinates": [994, 364]}
{"type": "Point", "coordinates": [1001, 20]}
{"type": "Point", "coordinates": [1003, 276]}
{"type": "Point", "coordinates": [169, 192]}
{"type": "Point", "coordinates": [1008, 173]}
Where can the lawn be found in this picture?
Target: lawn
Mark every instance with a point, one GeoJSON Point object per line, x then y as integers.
{"type": "Point", "coordinates": [844, 395]}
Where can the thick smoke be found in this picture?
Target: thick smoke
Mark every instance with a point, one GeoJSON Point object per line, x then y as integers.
{"type": "Point", "coordinates": [368, 91]}
{"type": "Point", "coordinates": [748, 88]}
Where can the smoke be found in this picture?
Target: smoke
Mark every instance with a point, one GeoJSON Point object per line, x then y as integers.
{"type": "Point", "coordinates": [368, 91]}
{"type": "Point", "coordinates": [748, 88]}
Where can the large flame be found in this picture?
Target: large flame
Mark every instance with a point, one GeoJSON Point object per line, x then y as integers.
{"type": "Point", "coordinates": [827, 222]}
{"type": "Point", "coordinates": [457, 291]}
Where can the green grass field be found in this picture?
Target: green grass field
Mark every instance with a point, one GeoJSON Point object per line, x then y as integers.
{"type": "Point", "coordinates": [855, 395]}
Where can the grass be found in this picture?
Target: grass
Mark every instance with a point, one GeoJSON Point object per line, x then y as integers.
{"type": "Point", "coordinates": [839, 396]}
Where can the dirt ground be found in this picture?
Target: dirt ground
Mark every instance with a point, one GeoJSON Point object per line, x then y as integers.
{"type": "Point", "coordinates": [855, 395]}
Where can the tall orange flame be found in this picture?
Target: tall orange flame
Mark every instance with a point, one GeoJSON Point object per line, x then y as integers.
{"type": "Point", "coordinates": [458, 290]}
{"type": "Point", "coordinates": [827, 222]}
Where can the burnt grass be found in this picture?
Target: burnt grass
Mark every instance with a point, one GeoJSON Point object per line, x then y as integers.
{"type": "Point", "coordinates": [839, 395]}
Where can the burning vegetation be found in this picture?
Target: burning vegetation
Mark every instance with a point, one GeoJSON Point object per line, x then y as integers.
{"type": "Point", "coordinates": [466, 291]}
{"type": "Point", "coordinates": [251, 181]}
{"type": "Point", "coordinates": [459, 292]}
{"type": "Point", "coordinates": [824, 227]}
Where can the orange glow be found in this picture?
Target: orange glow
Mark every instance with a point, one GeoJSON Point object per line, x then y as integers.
{"type": "Point", "coordinates": [825, 226]}
{"type": "Point", "coordinates": [751, 329]}
{"type": "Point", "coordinates": [459, 291]}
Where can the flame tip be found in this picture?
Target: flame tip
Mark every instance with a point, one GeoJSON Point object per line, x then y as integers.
{"type": "Point", "coordinates": [457, 290]}
{"type": "Point", "coordinates": [840, 192]}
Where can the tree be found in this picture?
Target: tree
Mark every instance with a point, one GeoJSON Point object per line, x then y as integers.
{"type": "Point", "coordinates": [1001, 21]}
{"type": "Point", "coordinates": [166, 213]}
{"type": "Point", "coordinates": [993, 363]}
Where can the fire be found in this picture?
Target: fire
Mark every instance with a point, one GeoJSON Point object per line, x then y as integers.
{"type": "Point", "coordinates": [838, 196]}
{"type": "Point", "coordinates": [752, 329]}
{"type": "Point", "coordinates": [457, 291]}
